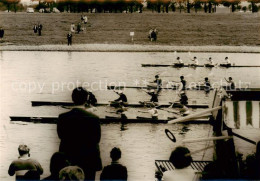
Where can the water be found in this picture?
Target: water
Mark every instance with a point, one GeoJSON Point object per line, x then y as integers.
{"type": "Point", "coordinates": [27, 76]}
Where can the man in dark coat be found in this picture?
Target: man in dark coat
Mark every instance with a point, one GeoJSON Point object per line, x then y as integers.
{"type": "Point", "coordinates": [115, 171]}
{"type": "Point", "coordinates": [69, 37]}
{"type": "Point", "coordinates": [80, 133]}
{"type": "Point", "coordinates": [39, 29]}
{"type": "Point", "coordinates": [2, 32]}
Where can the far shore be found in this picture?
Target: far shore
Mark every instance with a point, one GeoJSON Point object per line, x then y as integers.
{"type": "Point", "coordinates": [131, 48]}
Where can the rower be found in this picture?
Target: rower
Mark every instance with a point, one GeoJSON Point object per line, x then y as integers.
{"type": "Point", "coordinates": [153, 112]}
{"type": "Point", "coordinates": [183, 83]}
{"type": "Point", "coordinates": [207, 84]}
{"type": "Point", "coordinates": [184, 110]}
{"type": "Point", "coordinates": [231, 83]}
{"type": "Point", "coordinates": [210, 61]}
{"type": "Point", "coordinates": [226, 63]}
{"type": "Point", "coordinates": [183, 98]}
{"type": "Point", "coordinates": [122, 110]}
{"type": "Point", "coordinates": [158, 81]}
{"type": "Point", "coordinates": [91, 98]}
{"type": "Point", "coordinates": [195, 62]}
{"type": "Point", "coordinates": [122, 99]}
{"type": "Point", "coordinates": [154, 96]}
{"type": "Point", "coordinates": [179, 62]}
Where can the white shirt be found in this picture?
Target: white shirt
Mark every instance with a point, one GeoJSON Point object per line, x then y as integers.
{"type": "Point", "coordinates": [153, 112]}
{"type": "Point", "coordinates": [196, 61]}
{"type": "Point", "coordinates": [185, 174]}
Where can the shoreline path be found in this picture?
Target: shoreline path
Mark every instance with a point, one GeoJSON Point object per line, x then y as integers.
{"type": "Point", "coordinates": [131, 48]}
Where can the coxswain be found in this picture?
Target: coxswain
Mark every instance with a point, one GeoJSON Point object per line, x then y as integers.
{"type": "Point", "coordinates": [207, 85]}
{"type": "Point", "coordinates": [154, 96]}
{"type": "Point", "coordinates": [91, 98]}
{"type": "Point", "coordinates": [183, 98]}
{"type": "Point", "coordinates": [183, 83]}
{"type": "Point", "coordinates": [231, 83]}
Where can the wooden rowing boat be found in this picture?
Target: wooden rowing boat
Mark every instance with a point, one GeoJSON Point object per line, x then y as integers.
{"type": "Point", "coordinates": [52, 103]}
{"type": "Point", "coordinates": [206, 65]}
{"type": "Point", "coordinates": [107, 119]}
{"type": "Point", "coordinates": [155, 87]}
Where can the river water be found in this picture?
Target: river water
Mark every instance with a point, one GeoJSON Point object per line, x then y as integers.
{"type": "Point", "coordinates": [27, 76]}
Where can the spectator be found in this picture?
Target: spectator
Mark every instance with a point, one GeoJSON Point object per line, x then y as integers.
{"type": "Point", "coordinates": [58, 162]}
{"type": "Point", "coordinates": [23, 164]}
{"type": "Point", "coordinates": [91, 98]}
{"type": "Point", "coordinates": [69, 37]}
{"type": "Point", "coordinates": [181, 160]}
{"type": "Point", "coordinates": [35, 28]}
{"type": "Point", "coordinates": [39, 29]}
{"type": "Point", "coordinates": [114, 171]}
{"type": "Point", "coordinates": [32, 175]}
{"type": "Point", "coordinates": [2, 32]}
{"type": "Point", "coordinates": [71, 173]}
{"type": "Point", "coordinates": [78, 28]}
{"type": "Point", "coordinates": [80, 133]}
{"type": "Point", "coordinates": [72, 27]}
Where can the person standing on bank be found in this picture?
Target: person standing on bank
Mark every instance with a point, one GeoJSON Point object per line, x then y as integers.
{"type": "Point", "coordinates": [80, 134]}
{"type": "Point", "coordinates": [39, 29]}
{"type": "Point", "coordinates": [2, 32]}
{"type": "Point", "coordinates": [69, 37]}
{"type": "Point", "coordinates": [24, 164]}
{"type": "Point", "coordinates": [35, 28]}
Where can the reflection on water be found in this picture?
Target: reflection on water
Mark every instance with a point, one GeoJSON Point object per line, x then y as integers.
{"type": "Point", "coordinates": [55, 74]}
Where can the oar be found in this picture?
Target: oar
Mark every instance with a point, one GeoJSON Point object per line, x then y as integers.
{"type": "Point", "coordinates": [187, 118]}
{"type": "Point", "coordinates": [197, 151]}
{"type": "Point", "coordinates": [206, 139]}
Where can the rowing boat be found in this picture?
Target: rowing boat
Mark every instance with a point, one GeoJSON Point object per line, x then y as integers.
{"type": "Point", "coordinates": [206, 65]}
{"type": "Point", "coordinates": [201, 87]}
{"type": "Point", "coordinates": [52, 103]}
{"type": "Point", "coordinates": [108, 119]}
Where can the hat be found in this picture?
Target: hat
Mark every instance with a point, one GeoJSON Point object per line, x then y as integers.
{"type": "Point", "coordinates": [178, 58]}
{"type": "Point", "coordinates": [90, 91]}
{"type": "Point", "coordinates": [156, 76]}
{"type": "Point", "coordinates": [226, 58]}
{"type": "Point", "coordinates": [24, 148]}
{"type": "Point", "coordinates": [120, 92]}
{"type": "Point", "coordinates": [182, 77]}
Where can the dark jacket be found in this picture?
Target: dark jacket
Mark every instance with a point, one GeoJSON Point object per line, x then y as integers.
{"type": "Point", "coordinates": [115, 171]}
{"type": "Point", "coordinates": [122, 97]}
{"type": "Point", "coordinates": [154, 97]}
{"type": "Point", "coordinates": [80, 133]}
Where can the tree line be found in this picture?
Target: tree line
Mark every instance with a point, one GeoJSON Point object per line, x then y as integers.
{"type": "Point", "coordinates": [120, 6]}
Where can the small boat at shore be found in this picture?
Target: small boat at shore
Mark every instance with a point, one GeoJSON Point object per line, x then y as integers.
{"type": "Point", "coordinates": [206, 65]}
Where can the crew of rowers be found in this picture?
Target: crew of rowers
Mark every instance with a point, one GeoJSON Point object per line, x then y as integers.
{"type": "Point", "coordinates": [195, 62]}
{"type": "Point", "coordinates": [121, 102]}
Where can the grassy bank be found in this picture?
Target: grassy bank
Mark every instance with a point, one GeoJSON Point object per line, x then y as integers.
{"type": "Point", "coordinates": [177, 29]}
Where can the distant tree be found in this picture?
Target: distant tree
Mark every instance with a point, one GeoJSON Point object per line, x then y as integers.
{"type": "Point", "coordinates": [7, 3]}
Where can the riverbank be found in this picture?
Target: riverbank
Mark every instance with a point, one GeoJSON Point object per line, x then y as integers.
{"type": "Point", "coordinates": [174, 29]}
{"type": "Point", "coordinates": [131, 48]}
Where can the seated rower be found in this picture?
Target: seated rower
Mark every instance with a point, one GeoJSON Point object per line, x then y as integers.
{"type": "Point", "coordinates": [231, 83]}
{"type": "Point", "coordinates": [91, 98]}
{"type": "Point", "coordinates": [154, 96]}
{"type": "Point", "coordinates": [183, 83]}
{"type": "Point", "coordinates": [121, 100]}
{"type": "Point", "coordinates": [179, 62]}
{"type": "Point", "coordinates": [195, 62]}
{"type": "Point", "coordinates": [183, 98]}
{"type": "Point", "coordinates": [153, 112]}
{"type": "Point", "coordinates": [158, 81]}
{"type": "Point", "coordinates": [207, 85]}
{"type": "Point", "coordinates": [210, 62]}
{"type": "Point", "coordinates": [226, 62]}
